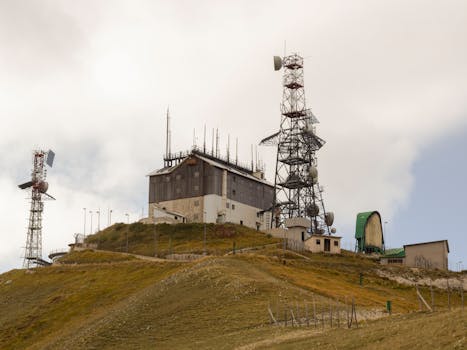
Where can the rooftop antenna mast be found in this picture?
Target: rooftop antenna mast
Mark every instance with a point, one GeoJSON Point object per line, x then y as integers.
{"type": "Point", "coordinates": [39, 187]}
{"type": "Point", "coordinates": [298, 193]}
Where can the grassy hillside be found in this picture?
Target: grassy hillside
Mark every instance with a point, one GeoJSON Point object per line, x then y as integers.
{"type": "Point", "coordinates": [163, 239]}
{"type": "Point", "coordinates": [111, 300]}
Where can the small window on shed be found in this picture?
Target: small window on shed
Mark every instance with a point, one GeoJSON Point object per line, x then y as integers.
{"type": "Point", "coordinates": [336, 243]}
{"type": "Point", "coordinates": [318, 241]}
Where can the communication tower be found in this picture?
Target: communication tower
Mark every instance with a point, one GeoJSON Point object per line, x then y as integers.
{"type": "Point", "coordinates": [298, 193]}
{"type": "Point", "coordinates": [39, 187]}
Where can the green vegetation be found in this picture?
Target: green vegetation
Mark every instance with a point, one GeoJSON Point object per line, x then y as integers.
{"type": "Point", "coordinates": [91, 257]}
{"type": "Point", "coordinates": [164, 239]}
{"type": "Point", "coordinates": [110, 300]}
{"type": "Point", "coordinates": [443, 330]}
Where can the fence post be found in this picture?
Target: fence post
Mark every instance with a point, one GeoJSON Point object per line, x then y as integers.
{"type": "Point", "coordinates": [449, 294]}
{"type": "Point", "coordinates": [418, 297]}
{"type": "Point", "coordinates": [432, 296]}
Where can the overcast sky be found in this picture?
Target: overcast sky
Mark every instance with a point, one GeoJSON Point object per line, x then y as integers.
{"type": "Point", "coordinates": [92, 79]}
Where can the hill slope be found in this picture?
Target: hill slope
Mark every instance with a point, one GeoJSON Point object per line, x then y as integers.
{"type": "Point", "coordinates": [105, 300]}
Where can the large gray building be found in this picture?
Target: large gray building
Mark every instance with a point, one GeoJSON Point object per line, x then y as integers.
{"type": "Point", "coordinates": [202, 187]}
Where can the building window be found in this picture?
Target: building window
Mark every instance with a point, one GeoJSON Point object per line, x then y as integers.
{"type": "Point", "coordinates": [234, 192]}
{"type": "Point", "coordinates": [336, 243]}
{"type": "Point", "coordinates": [303, 236]}
{"type": "Point", "coordinates": [195, 217]}
{"type": "Point", "coordinates": [233, 206]}
{"type": "Point", "coordinates": [176, 217]}
{"type": "Point", "coordinates": [227, 205]}
{"type": "Point", "coordinates": [318, 241]}
{"type": "Point", "coordinates": [196, 203]}
{"type": "Point", "coordinates": [241, 222]}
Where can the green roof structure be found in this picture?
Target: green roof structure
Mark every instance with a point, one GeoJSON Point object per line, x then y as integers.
{"type": "Point", "coordinates": [394, 253]}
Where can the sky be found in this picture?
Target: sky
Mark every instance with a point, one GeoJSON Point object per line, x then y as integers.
{"type": "Point", "coordinates": [92, 81]}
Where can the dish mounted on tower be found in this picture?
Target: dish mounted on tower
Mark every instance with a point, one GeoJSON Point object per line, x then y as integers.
{"type": "Point", "coordinates": [39, 187]}
{"type": "Point", "coordinates": [298, 193]}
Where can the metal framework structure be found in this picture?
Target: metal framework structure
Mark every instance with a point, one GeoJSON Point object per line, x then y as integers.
{"type": "Point", "coordinates": [298, 193]}
{"type": "Point", "coordinates": [38, 185]}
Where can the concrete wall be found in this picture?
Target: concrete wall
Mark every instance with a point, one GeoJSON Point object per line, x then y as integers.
{"type": "Point", "coordinates": [191, 208]}
{"type": "Point", "coordinates": [374, 232]}
{"type": "Point", "coordinates": [428, 255]}
{"type": "Point", "coordinates": [312, 244]}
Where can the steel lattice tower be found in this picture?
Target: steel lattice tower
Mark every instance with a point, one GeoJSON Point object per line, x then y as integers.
{"type": "Point", "coordinates": [298, 193]}
{"type": "Point", "coordinates": [38, 185]}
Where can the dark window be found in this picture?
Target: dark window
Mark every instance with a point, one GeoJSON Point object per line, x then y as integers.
{"type": "Point", "coordinates": [234, 192]}
{"type": "Point", "coordinates": [233, 206]}
{"type": "Point", "coordinates": [303, 236]}
{"type": "Point", "coordinates": [241, 222]}
{"type": "Point", "coordinates": [318, 241]}
{"type": "Point", "coordinates": [336, 243]}
{"type": "Point", "coordinates": [176, 217]}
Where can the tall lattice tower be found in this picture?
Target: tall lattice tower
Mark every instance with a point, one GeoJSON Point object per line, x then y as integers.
{"type": "Point", "coordinates": [39, 187]}
{"type": "Point", "coordinates": [298, 193]}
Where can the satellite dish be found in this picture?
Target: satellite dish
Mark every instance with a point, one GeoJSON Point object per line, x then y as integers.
{"type": "Point", "coordinates": [313, 210]}
{"type": "Point", "coordinates": [50, 158]}
{"type": "Point", "coordinates": [313, 172]}
{"type": "Point", "coordinates": [277, 63]}
{"type": "Point", "coordinates": [329, 218]}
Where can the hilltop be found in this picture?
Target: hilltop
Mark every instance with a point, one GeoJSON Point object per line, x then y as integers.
{"type": "Point", "coordinates": [117, 300]}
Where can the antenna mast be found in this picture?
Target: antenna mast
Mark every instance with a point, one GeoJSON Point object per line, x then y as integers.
{"type": "Point", "coordinates": [39, 187]}
{"type": "Point", "coordinates": [298, 193]}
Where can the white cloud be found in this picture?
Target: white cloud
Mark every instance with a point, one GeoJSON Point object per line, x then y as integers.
{"type": "Point", "coordinates": [92, 81]}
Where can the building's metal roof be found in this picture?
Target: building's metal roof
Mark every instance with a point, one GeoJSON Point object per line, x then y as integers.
{"type": "Point", "coordinates": [443, 240]}
{"type": "Point", "coordinates": [212, 162]}
{"type": "Point", "coordinates": [394, 253]}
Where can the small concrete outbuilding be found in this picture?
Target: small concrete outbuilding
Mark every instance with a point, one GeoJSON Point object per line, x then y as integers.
{"type": "Point", "coordinates": [427, 255]}
{"type": "Point", "coordinates": [323, 244]}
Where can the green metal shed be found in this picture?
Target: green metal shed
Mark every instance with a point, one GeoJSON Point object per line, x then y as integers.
{"type": "Point", "coordinates": [369, 232]}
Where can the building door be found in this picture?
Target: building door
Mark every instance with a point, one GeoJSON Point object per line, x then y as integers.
{"type": "Point", "coordinates": [327, 245]}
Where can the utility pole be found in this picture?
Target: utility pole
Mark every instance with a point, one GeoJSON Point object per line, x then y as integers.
{"type": "Point", "coordinates": [128, 221]}
{"type": "Point", "coordinates": [84, 228]}
{"type": "Point", "coordinates": [90, 212]}
{"type": "Point", "coordinates": [204, 242]}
